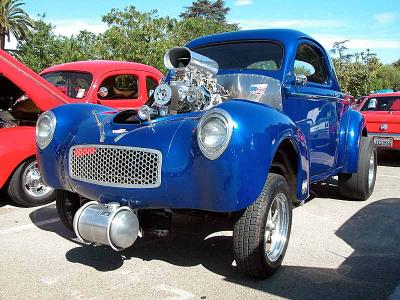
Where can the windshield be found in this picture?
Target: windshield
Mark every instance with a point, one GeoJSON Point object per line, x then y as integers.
{"type": "Point", "coordinates": [73, 84]}
{"type": "Point", "coordinates": [382, 104]}
{"type": "Point", "coordinates": [252, 55]}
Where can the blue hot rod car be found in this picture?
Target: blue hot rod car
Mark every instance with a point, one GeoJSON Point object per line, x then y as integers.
{"type": "Point", "coordinates": [242, 124]}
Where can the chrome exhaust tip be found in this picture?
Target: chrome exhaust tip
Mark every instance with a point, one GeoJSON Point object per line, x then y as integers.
{"type": "Point", "coordinates": [106, 224]}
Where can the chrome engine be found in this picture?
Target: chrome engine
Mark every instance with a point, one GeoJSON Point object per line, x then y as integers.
{"type": "Point", "coordinates": [192, 87]}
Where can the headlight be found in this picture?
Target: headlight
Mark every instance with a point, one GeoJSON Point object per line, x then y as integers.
{"type": "Point", "coordinates": [45, 128]}
{"type": "Point", "coordinates": [214, 132]}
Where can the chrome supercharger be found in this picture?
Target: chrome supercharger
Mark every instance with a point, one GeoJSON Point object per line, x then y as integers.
{"type": "Point", "coordinates": [106, 224]}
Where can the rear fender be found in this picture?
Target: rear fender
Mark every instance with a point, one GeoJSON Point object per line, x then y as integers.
{"type": "Point", "coordinates": [353, 130]}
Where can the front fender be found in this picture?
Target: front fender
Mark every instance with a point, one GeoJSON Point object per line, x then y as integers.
{"type": "Point", "coordinates": [355, 125]}
{"type": "Point", "coordinates": [71, 116]}
{"type": "Point", "coordinates": [234, 180]}
{"type": "Point", "coordinates": [189, 180]}
{"type": "Point", "coordinates": [69, 119]}
{"type": "Point", "coordinates": [17, 144]}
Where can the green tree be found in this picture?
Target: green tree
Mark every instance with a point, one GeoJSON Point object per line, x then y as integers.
{"type": "Point", "coordinates": [215, 11]}
{"type": "Point", "coordinates": [396, 64]}
{"type": "Point", "coordinates": [13, 20]}
{"type": "Point", "coordinates": [192, 28]}
{"type": "Point", "coordinates": [131, 36]}
{"type": "Point", "coordinates": [354, 71]}
{"type": "Point", "coordinates": [353, 77]}
{"type": "Point", "coordinates": [339, 48]}
{"type": "Point", "coordinates": [42, 48]}
{"type": "Point", "coordinates": [136, 36]}
{"type": "Point", "coordinates": [145, 37]}
{"type": "Point", "coordinates": [84, 46]}
{"type": "Point", "coordinates": [386, 77]}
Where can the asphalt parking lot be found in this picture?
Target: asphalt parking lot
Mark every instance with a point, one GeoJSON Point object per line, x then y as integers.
{"type": "Point", "coordinates": [339, 249]}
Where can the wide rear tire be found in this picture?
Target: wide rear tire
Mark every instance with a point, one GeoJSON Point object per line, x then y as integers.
{"type": "Point", "coordinates": [261, 235]}
{"type": "Point", "coordinates": [360, 185]}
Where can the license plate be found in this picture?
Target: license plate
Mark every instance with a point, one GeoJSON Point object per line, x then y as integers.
{"type": "Point", "coordinates": [383, 142]}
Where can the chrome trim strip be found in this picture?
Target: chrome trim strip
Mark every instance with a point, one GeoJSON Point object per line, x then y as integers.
{"type": "Point", "coordinates": [395, 136]}
{"type": "Point", "coordinates": [315, 97]}
{"type": "Point", "coordinates": [101, 183]}
{"type": "Point", "coordinates": [100, 125]}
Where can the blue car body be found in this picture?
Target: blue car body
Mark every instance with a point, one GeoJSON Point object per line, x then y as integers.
{"type": "Point", "coordinates": [316, 126]}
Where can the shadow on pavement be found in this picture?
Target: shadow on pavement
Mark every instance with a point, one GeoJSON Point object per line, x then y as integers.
{"type": "Point", "coordinates": [371, 272]}
{"type": "Point", "coordinates": [48, 212]}
{"type": "Point", "coordinates": [389, 158]}
{"type": "Point", "coordinates": [326, 189]}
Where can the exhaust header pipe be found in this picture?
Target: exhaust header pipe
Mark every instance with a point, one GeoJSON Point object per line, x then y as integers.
{"type": "Point", "coordinates": [106, 224]}
{"type": "Point", "coordinates": [180, 58]}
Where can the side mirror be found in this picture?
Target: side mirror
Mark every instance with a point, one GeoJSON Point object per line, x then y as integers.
{"type": "Point", "coordinates": [300, 80]}
{"type": "Point", "coordinates": [103, 92]}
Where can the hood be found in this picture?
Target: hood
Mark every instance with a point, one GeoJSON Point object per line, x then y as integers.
{"type": "Point", "coordinates": [41, 92]}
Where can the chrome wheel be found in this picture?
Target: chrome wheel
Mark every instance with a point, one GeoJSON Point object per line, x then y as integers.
{"type": "Point", "coordinates": [32, 182]}
{"type": "Point", "coordinates": [261, 235]}
{"type": "Point", "coordinates": [276, 228]}
{"type": "Point", "coordinates": [371, 170]}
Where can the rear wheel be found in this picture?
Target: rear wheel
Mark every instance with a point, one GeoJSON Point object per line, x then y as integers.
{"type": "Point", "coordinates": [261, 235]}
{"type": "Point", "coordinates": [67, 205]}
{"type": "Point", "coordinates": [360, 185]}
{"type": "Point", "coordinates": [26, 186]}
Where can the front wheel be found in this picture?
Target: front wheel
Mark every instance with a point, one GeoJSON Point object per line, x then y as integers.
{"type": "Point", "coordinates": [67, 205]}
{"type": "Point", "coordinates": [261, 235]}
{"type": "Point", "coordinates": [360, 185]}
{"type": "Point", "coordinates": [26, 186]}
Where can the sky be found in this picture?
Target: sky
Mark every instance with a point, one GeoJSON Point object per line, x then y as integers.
{"type": "Point", "coordinates": [365, 23]}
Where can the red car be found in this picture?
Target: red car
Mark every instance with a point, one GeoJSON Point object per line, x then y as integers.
{"type": "Point", "coordinates": [382, 115]}
{"type": "Point", "coordinates": [116, 84]}
{"type": "Point", "coordinates": [24, 95]}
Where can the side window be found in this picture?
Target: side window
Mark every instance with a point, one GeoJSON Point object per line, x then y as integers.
{"type": "Point", "coordinates": [309, 62]}
{"type": "Point", "coordinates": [119, 87]}
{"type": "Point", "coordinates": [151, 84]}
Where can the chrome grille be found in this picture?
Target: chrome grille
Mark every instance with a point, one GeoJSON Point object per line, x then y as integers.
{"type": "Point", "coordinates": [116, 166]}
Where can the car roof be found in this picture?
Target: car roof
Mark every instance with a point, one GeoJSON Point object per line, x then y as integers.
{"type": "Point", "coordinates": [394, 94]}
{"type": "Point", "coordinates": [285, 36]}
{"type": "Point", "coordinates": [101, 66]}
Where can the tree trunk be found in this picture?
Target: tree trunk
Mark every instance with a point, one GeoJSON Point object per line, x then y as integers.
{"type": "Point", "coordinates": [2, 39]}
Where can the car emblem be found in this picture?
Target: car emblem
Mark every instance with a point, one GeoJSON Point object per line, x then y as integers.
{"type": "Point", "coordinates": [383, 127]}
{"type": "Point", "coordinates": [119, 131]}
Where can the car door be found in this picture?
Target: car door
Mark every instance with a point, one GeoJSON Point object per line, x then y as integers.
{"type": "Point", "coordinates": [311, 103]}
{"type": "Point", "coordinates": [122, 89]}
